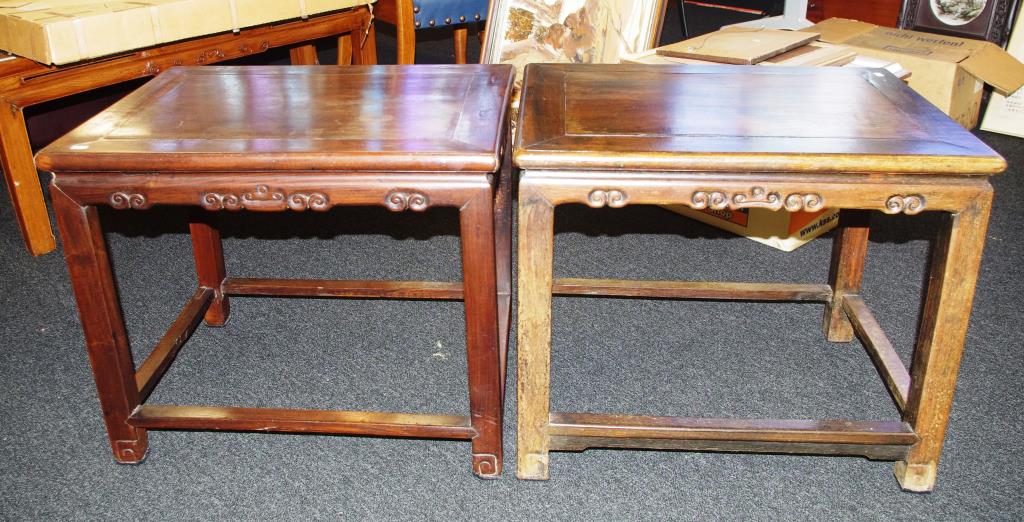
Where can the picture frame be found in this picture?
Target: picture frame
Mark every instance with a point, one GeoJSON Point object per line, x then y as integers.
{"type": "Point", "coordinates": [570, 31]}
{"type": "Point", "coordinates": [981, 19]}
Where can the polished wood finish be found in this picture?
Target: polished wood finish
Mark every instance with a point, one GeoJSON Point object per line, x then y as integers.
{"type": "Point", "coordinates": [334, 288]}
{"type": "Point", "coordinates": [153, 368]}
{"type": "Point", "coordinates": [693, 290]}
{"type": "Point", "coordinates": [24, 83]}
{"type": "Point", "coordinates": [272, 420]}
{"type": "Point", "coordinates": [176, 142]}
{"type": "Point", "coordinates": [693, 118]}
{"type": "Point", "coordinates": [399, 13]}
{"type": "Point", "coordinates": [460, 35]}
{"type": "Point", "coordinates": [858, 141]}
{"type": "Point", "coordinates": [106, 339]}
{"type": "Point", "coordinates": [210, 270]}
{"type": "Point", "coordinates": [139, 131]}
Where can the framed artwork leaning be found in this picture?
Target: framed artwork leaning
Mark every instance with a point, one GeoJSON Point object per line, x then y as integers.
{"type": "Point", "coordinates": [982, 19]}
{"type": "Point", "coordinates": [570, 31]}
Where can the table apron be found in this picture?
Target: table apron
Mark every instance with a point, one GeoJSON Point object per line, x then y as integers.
{"type": "Point", "coordinates": [273, 192]}
{"type": "Point", "coordinates": [892, 194]}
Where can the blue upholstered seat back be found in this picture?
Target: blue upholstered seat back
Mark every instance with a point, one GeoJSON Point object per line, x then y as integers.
{"type": "Point", "coordinates": [441, 13]}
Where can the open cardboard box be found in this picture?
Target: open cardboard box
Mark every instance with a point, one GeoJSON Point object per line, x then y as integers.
{"type": "Point", "coordinates": [67, 31]}
{"type": "Point", "coordinates": [950, 72]}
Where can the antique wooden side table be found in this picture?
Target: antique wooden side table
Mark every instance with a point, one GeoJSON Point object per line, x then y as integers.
{"type": "Point", "coordinates": [736, 138]}
{"type": "Point", "coordinates": [274, 139]}
{"type": "Point", "coordinates": [24, 83]}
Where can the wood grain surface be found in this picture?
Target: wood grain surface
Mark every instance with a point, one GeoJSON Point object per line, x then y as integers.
{"type": "Point", "coordinates": [396, 118]}
{"type": "Point", "coordinates": [738, 119]}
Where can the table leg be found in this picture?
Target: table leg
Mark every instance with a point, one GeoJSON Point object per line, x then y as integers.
{"type": "Point", "coordinates": [209, 256]}
{"type": "Point", "coordinates": [345, 49]}
{"type": "Point", "coordinates": [367, 54]}
{"type": "Point", "coordinates": [940, 342]}
{"type": "Point", "coordinates": [503, 249]}
{"type": "Point", "coordinates": [481, 304]}
{"type": "Point", "coordinates": [23, 181]}
{"type": "Point", "coordinates": [849, 249]}
{"type": "Point", "coordinates": [304, 55]}
{"type": "Point", "coordinates": [460, 35]}
{"type": "Point", "coordinates": [100, 312]}
{"type": "Point", "coordinates": [536, 244]}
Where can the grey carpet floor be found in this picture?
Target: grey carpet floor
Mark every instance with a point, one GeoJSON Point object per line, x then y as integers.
{"type": "Point", "coordinates": [617, 356]}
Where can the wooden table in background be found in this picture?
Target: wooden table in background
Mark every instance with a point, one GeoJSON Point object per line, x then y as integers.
{"type": "Point", "coordinates": [24, 83]}
{"type": "Point", "coordinates": [855, 139]}
{"type": "Point", "coordinates": [437, 141]}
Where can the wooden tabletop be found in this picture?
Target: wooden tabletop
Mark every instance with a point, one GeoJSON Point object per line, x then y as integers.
{"type": "Point", "coordinates": [737, 119]}
{"type": "Point", "coordinates": [358, 118]}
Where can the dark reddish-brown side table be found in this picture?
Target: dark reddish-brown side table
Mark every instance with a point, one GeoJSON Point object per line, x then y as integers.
{"type": "Point", "coordinates": [272, 139]}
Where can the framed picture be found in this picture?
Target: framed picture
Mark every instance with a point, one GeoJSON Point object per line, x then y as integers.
{"type": "Point", "coordinates": [570, 31]}
{"type": "Point", "coordinates": [982, 19]}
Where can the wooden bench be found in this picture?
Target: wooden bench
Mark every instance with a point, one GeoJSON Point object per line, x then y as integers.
{"type": "Point", "coordinates": [24, 83]}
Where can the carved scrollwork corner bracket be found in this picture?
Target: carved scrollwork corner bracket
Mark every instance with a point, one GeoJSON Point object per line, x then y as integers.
{"type": "Point", "coordinates": [128, 200]}
{"type": "Point", "coordinates": [613, 198]}
{"type": "Point", "coordinates": [909, 204]}
{"type": "Point", "coordinates": [400, 200]}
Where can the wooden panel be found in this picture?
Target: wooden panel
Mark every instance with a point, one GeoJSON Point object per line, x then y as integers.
{"type": "Point", "coordinates": [889, 364]}
{"type": "Point", "coordinates": [738, 119]}
{"type": "Point", "coordinates": [328, 288]}
{"type": "Point", "coordinates": [302, 421]}
{"type": "Point", "coordinates": [693, 290]}
{"type": "Point", "coordinates": [426, 118]}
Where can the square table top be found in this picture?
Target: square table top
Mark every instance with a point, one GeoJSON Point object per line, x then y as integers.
{"type": "Point", "coordinates": [270, 119]}
{"type": "Point", "coordinates": [737, 119]}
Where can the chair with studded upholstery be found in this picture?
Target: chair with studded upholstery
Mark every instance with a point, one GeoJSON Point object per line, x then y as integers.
{"type": "Point", "coordinates": [409, 16]}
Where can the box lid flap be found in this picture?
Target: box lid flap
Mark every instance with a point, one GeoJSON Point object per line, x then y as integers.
{"type": "Point", "coordinates": [997, 68]}
{"type": "Point", "coordinates": [839, 30]}
{"type": "Point", "coordinates": [912, 43]}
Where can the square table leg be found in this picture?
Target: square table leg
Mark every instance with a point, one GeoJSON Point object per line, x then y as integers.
{"type": "Point", "coordinates": [209, 257]}
{"type": "Point", "coordinates": [105, 336]}
{"type": "Point", "coordinates": [483, 358]}
{"type": "Point", "coordinates": [23, 181]}
{"type": "Point", "coordinates": [849, 250]}
{"type": "Point", "coordinates": [940, 342]}
{"type": "Point", "coordinates": [536, 244]}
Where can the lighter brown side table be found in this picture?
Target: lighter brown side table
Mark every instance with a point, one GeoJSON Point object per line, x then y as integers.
{"type": "Point", "coordinates": [736, 138]}
{"type": "Point", "coordinates": [278, 139]}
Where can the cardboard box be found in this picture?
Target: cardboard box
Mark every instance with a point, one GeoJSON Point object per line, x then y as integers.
{"type": "Point", "coordinates": [67, 31]}
{"type": "Point", "coordinates": [949, 72]}
{"type": "Point", "coordinates": [783, 230]}
{"type": "Point", "coordinates": [1005, 114]}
